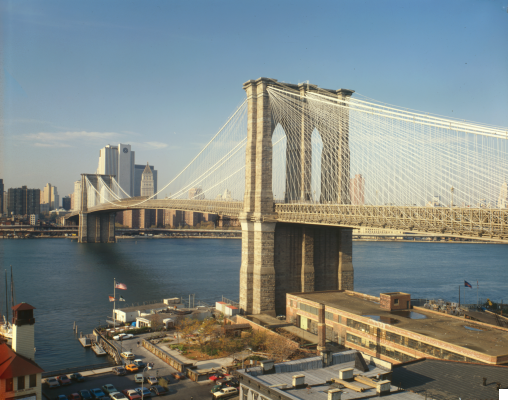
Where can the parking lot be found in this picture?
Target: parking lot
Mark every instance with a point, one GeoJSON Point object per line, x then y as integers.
{"type": "Point", "coordinates": [184, 389]}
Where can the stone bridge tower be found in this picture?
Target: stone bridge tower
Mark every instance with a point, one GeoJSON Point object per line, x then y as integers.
{"type": "Point", "coordinates": [97, 227]}
{"type": "Point", "coordinates": [279, 258]}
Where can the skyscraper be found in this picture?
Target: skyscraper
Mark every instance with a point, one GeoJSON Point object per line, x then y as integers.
{"type": "Point", "coordinates": [196, 193]}
{"type": "Point", "coordinates": [1, 196]}
{"type": "Point", "coordinates": [357, 190]}
{"type": "Point", "coordinates": [138, 172]}
{"type": "Point", "coordinates": [66, 203]}
{"type": "Point", "coordinates": [118, 161]}
{"type": "Point", "coordinates": [147, 186]}
{"type": "Point", "coordinates": [77, 196]}
{"type": "Point", "coordinates": [49, 195]}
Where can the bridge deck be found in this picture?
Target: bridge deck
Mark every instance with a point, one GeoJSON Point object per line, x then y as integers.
{"type": "Point", "coordinates": [482, 223]}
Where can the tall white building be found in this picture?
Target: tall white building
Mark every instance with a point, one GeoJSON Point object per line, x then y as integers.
{"type": "Point", "coordinates": [49, 195]}
{"type": "Point", "coordinates": [147, 182]}
{"type": "Point", "coordinates": [77, 195]}
{"type": "Point", "coordinates": [118, 161]}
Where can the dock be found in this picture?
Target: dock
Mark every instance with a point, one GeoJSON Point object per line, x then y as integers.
{"type": "Point", "coordinates": [85, 342]}
{"type": "Point", "coordinates": [98, 350]}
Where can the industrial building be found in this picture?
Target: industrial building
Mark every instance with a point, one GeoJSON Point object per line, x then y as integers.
{"type": "Point", "coordinates": [388, 327]}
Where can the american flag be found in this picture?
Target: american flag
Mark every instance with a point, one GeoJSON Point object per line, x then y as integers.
{"type": "Point", "coordinates": [121, 286]}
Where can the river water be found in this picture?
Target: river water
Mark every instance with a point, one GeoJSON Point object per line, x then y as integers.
{"type": "Point", "coordinates": [68, 282]}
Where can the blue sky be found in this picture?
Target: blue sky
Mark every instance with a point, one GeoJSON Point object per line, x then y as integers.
{"type": "Point", "coordinates": [165, 75]}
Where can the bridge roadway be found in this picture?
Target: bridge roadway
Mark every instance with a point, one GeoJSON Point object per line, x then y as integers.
{"type": "Point", "coordinates": [473, 223]}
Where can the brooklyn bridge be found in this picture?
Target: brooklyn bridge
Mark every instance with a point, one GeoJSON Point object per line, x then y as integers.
{"type": "Point", "coordinates": [303, 166]}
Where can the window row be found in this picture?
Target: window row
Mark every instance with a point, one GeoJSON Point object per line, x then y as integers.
{"type": "Point", "coordinates": [392, 353]}
{"type": "Point", "coordinates": [309, 309]}
{"type": "Point", "coordinates": [32, 382]}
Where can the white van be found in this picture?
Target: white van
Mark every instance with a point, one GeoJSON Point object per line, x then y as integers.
{"type": "Point", "coordinates": [225, 392]}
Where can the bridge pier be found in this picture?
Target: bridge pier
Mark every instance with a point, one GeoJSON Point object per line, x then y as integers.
{"type": "Point", "coordinates": [96, 228]}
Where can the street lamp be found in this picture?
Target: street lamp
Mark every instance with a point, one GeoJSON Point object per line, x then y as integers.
{"type": "Point", "coordinates": [143, 381]}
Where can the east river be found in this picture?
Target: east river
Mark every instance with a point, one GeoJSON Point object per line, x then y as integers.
{"type": "Point", "coordinates": [68, 282]}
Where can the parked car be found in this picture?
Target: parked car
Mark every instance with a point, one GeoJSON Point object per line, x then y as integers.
{"type": "Point", "coordinates": [52, 383]}
{"type": "Point", "coordinates": [225, 392]}
{"type": "Point", "coordinates": [152, 380]}
{"type": "Point", "coordinates": [146, 392]}
{"type": "Point", "coordinates": [118, 396]}
{"type": "Point", "coordinates": [123, 336]}
{"type": "Point", "coordinates": [139, 363]}
{"type": "Point", "coordinates": [74, 396]}
{"type": "Point", "coordinates": [77, 377]}
{"type": "Point", "coordinates": [158, 390]}
{"type": "Point", "coordinates": [131, 367]}
{"type": "Point", "coordinates": [97, 393]}
{"type": "Point", "coordinates": [109, 388]}
{"type": "Point", "coordinates": [216, 388]}
{"type": "Point", "coordinates": [85, 394]}
{"type": "Point", "coordinates": [128, 355]}
{"type": "Point", "coordinates": [61, 397]}
{"type": "Point", "coordinates": [216, 376]}
{"type": "Point", "coordinates": [63, 380]}
{"type": "Point", "coordinates": [131, 394]}
{"type": "Point", "coordinates": [232, 383]}
{"type": "Point", "coordinates": [139, 378]}
{"type": "Point", "coordinates": [178, 375]}
{"type": "Point", "coordinates": [119, 371]}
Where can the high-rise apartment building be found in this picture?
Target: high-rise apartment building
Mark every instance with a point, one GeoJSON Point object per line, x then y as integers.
{"type": "Point", "coordinates": [77, 196]}
{"type": "Point", "coordinates": [138, 173]}
{"type": "Point", "coordinates": [147, 187]}
{"type": "Point", "coordinates": [23, 201]}
{"type": "Point", "coordinates": [6, 200]}
{"type": "Point", "coordinates": [1, 196]}
{"type": "Point", "coordinates": [118, 161]}
{"type": "Point", "coordinates": [357, 190]}
{"type": "Point", "coordinates": [49, 195]}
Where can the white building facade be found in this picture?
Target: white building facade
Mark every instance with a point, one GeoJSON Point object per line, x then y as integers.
{"type": "Point", "coordinates": [118, 161]}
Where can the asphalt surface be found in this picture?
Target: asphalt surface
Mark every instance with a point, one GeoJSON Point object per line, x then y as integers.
{"type": "Point", "coordinates": [184, 389]}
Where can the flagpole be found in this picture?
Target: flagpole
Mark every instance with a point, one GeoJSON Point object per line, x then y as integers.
{"type": "Point", "coordinates": [114, 301]}
{"type": "Point", "coordinates": [477, 300]}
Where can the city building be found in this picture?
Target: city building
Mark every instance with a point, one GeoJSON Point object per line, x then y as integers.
{"type": "Point", "coordinates": [49, 195]}
{"type": "Point", "coordinates": [34, 218]}
{"type": "Point", "coordinates": [44, 208]}
{"type": "Point", "coordinates": [23, 201]}
{"type": "Point", "coordinates": [388, 327]}
{"type": "Point", "coordinates": [20, 376]}
{"type": "Point", "coordinates": [147, 183]}
{"type": "Point", "coordinates": [5, 200]}
{"type": "Point", "coordinates": [346, 375]}
{"type": "Point", "coordinates": [178, 218]}
{"type": "Point", "coordinates": [118, 161]}
{"type": "Point", "coordinates": [357, 190]}
{"type": "Point", "coordinates": [77, 196]}
{"type": "Point", "coordinates": [1, 196]}
{"type": "Point", "coordinates": [138, 173]}
{"type": "Point", "coordinates": [66, 203]}
{"type": "Point", "coordinates": [502, 200]}
{"type": "Point", "coordinates": [196, 194]}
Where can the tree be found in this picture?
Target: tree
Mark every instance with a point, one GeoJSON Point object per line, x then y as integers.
{"type": "Point", "coordinates": [156, 322]}
{"type": "Point", "coordinates": [280, 346]}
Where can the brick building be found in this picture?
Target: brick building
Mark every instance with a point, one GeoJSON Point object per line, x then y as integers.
{"type": "Point", "coordinates": [388, 327]}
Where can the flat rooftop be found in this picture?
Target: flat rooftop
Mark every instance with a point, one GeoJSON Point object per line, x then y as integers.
{"type": "Point", "coordinates": [317, 376]}
{"type": "Point", "coordinates": [481, 338]}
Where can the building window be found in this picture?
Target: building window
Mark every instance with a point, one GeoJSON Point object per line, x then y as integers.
{"type": "Point", "coordinates": [358, 325]}
{"type": "Point", "coordinates": [340, 319]}
{"type": "Point", "coordinates": [21, 382]}
{"type": "Point", "coordinates": [396, 301]}
{"type": "Point", "coordinates": [309, 309]}
{"type": "Point", "coordinates": [33, 380]}
{"type": "Point", "coordinates": [329, 315]}
{"type": "Point", "coordinates": [9, 385]}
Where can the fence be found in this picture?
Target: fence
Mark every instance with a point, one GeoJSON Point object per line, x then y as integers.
{"type": "Point", "coordinates": [72, 370]}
